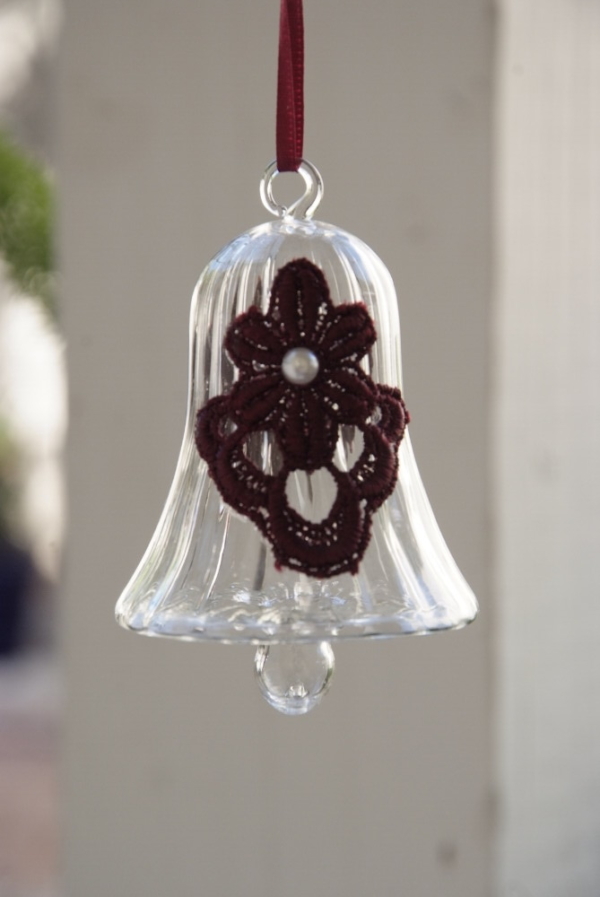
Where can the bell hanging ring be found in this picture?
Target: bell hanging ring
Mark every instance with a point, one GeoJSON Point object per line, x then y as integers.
{"type": "Point", "coordinates": [297, 515]}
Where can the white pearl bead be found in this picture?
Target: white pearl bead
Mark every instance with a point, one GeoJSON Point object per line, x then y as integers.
{"type": "Point", "coordinates": [300, 366]}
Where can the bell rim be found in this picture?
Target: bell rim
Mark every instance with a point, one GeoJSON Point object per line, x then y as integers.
{"type": "Point", "coordinates": [256, 635]}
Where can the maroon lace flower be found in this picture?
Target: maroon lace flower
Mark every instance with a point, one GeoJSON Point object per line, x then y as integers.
{"type": "Point", "coordinates": [300, 378]}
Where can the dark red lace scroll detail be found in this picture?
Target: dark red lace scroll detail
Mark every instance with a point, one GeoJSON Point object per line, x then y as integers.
{"type": "Point", "coordinates": [305, 421]}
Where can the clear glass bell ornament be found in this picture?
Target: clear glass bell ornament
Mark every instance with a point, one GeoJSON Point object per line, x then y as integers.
{"type": "Point", "coordinates": [297, 515]}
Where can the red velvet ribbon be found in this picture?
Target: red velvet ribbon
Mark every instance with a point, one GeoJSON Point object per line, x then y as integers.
{"type": "Point", "coordinates": [290, 86]}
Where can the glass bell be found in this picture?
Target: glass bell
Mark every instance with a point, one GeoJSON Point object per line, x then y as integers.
{"type": "Point", "coordinates": [293, 521]}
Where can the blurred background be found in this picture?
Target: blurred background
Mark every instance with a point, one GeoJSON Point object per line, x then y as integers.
{"type": "Point", "coordinates": [32, 431]}
{"type": "Point", "coordinates": [462, 142]}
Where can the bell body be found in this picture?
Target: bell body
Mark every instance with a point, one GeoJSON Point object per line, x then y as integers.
{"type": "Point", "coordinates": [209, 572]}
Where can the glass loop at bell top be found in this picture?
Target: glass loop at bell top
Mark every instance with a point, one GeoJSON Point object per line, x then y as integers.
{"type": "Point", "coordinates": [302, 208]}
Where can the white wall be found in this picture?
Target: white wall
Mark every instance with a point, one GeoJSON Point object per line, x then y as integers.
{"type": "Point", "coordinates": [179, 779]}
{"type": "Point", "coordinates": [547, 437]}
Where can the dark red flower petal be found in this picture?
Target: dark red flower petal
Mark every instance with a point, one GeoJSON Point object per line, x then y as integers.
{"type": "Point", "coordinates": [348, 394]}
{"type": "Point", "coordinates": [252, 341]}
{"type": "Point", "coordinates": [299, 302]}
{"type": "Point", "coordinates": [254, 400]}
{"type": "Point", "coordinates": [350, 333]}
{"type": "Point", "coordinates": [306, 435]}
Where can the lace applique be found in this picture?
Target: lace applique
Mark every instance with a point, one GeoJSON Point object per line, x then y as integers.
{"type": "Point", "coordinates": [300, 379]}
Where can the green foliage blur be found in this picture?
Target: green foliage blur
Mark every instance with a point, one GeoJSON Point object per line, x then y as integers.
{"type": "Point", "coordinates": [8, 481]}
{"type": "Point", "coordinates": [26, 219]}
{"type": "Point", "coordinates": [26, 249]}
